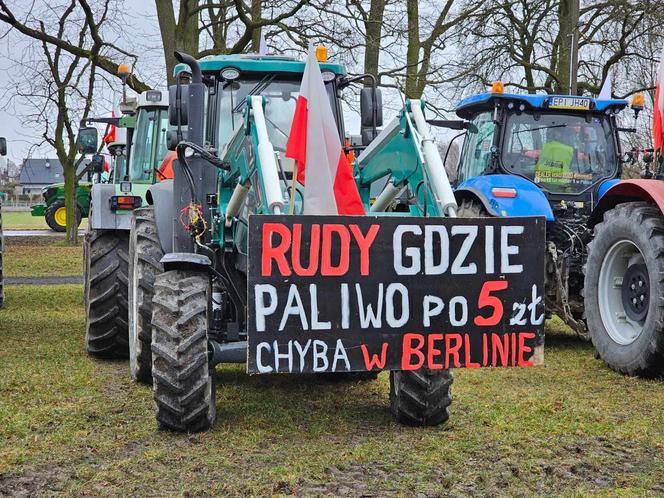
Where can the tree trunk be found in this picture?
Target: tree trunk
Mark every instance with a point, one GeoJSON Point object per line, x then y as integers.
{"type": "Point", "coordinates": [71, 183]}
{"type": "Point", "coordinates": [568, 17]}
{"type": "Point", "coordinates": [373, 29]}
{"type": "Point", "coordinates": [181, 35]}
{"type": "Point", "coordinates": [413, 50]}
{"type": "Point", "coordinates": [256, 13]}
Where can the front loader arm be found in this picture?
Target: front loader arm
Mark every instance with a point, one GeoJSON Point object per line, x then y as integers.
{"type": "Point", "coordinates": [252, 164]}
{"type": "Point", "coordinates": [404, 153]}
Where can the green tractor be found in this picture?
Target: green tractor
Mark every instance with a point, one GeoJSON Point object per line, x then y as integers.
{"type": "Point", "coordinates": [111, 205]}
{"type": "Point", "coordinates": [3, 152]}
{"type": "Point", "coordinates": [188, 277]}
{"type": "Point", "coordinates": [53, 207]}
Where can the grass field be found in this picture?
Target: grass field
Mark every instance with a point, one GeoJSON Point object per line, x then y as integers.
{"type": "Point", "coordinates": [23, 220]}
{"type": "Point", "coordinates": [75, 426]}
{"type": "Point", "coordinates": [42, 257]}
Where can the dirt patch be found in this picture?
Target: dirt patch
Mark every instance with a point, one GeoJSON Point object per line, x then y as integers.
{"type": "Point", "coordinates": [33, 482]}
{"type": "Point", "coordinates": [592, 464]}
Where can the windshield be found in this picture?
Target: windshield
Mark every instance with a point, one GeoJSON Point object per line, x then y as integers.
{"type": "Point", "coordinates": [561, 153]}
{"type": "Point", "coordinates": [118, 169]}
{"type": "Point", "coordinates": [476, 151]}
{"type": "Point", "coordinates": [149, 144]}
{"type": "Point", "coordinates": [281, 97]}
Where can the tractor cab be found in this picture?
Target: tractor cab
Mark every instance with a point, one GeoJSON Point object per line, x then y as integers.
{"type": "Point", "coordinates": [148, 140]}
{"type": "Point", "coordinates": [231, 79]}
{"type": "Point", "coordinates": [566, 146]}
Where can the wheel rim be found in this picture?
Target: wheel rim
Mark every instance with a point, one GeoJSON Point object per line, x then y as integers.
{"type": "Point", "coordinates": [620, 277]}
{"type": "Point", "coordinates": [60, 216]}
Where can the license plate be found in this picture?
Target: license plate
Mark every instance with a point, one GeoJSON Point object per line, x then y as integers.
{"type": "Point", "coordinates": [571, 103]}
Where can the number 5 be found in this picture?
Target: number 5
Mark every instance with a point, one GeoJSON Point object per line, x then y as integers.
{"type": "Point", "coordinates": [487, 300]}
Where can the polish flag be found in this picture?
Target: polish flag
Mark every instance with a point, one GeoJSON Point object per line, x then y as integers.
{"type": "Point", "coordinates": [315, 146]}
{"type": "Point", "coordinates": [658, 110]}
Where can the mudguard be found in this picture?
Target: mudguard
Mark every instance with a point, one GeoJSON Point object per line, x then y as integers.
{"type": "Point", "coordinates": [529, 199]}
{"type": "Point", "coordinates": [185, 261]}
{"type": "Point", "coordinates": [628, 191]}
{"type": "Point", "coordinates": [160, 195]}
{"type": "Point", "coordinates": [103, 218]}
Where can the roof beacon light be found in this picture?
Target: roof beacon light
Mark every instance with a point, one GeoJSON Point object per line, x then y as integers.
{"type": "Point", "coordinates": [638, 101]}
{"type": "Point", "coordinates": [123, 70]}
{"type": "Point", "coordinates": [321, 53]}
{"type": "Point", "coordinates": [498, 87]}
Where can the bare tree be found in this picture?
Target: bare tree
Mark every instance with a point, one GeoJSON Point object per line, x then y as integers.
{"type": "Point", "coordinates": [56, 85]}
{"type": "Point", "coordinates": [527, 43]}
{"type": "Point", "coordinates": [208, 27]}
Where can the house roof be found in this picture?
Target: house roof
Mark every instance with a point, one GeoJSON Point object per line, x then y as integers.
{"type": "Point", "coordinates": [35, 171]}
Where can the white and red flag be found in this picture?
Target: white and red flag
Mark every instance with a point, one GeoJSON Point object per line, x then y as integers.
{"type": "Point", "coordinates": [658, 108]}
{"type": "Point", "coordinates": [315, 146]}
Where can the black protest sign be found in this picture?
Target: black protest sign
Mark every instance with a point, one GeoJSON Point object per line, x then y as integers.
{"type": "Point", "coordinates": [354, 293]}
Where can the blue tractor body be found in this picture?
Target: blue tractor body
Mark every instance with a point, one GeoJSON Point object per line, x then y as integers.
{"type": "Point", "coordinates": [543, 155]}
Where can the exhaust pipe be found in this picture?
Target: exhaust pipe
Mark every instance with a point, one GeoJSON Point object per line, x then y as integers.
{"type": "Point", "coordinates": [196, 75]}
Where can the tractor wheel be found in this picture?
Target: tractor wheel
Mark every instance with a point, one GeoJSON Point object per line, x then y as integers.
{"type": "Point", "coordinates": [2, 247]}
{"type": "Point", "coordinates": [56, 216]}
{"type": "Point", "coordinates": [421, 397]}
{"type": "Point", "coordinates": [184, 390]}
{"type": "Point", "coordinates": [624, 297]}
{"type": "Point", "coordinates": [471, 209]}
{"type": "Point", "coordinates": [145, 254]}
{"type": "Point", "coordinates": [106, 293]}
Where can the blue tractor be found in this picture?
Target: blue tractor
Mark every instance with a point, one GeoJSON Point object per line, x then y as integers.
{"type": "Point", "coordinates": [547, 155]}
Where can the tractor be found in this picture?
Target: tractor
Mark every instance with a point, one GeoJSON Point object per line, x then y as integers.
{"type": "Point", "coordinates": [549, 155]}
{"type": "Point", "coordinates": [188, 304]}
{"type": "Point", "coordinates": [3, 152]}
{"type": "Point", "coordinates": [106, 243]}
{"type": "Point", "coordinates": [53, 207]}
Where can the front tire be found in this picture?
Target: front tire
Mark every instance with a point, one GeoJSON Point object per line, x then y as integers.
{"type": "Point", "coordinates": [184, 390]}
{"type": "Point", "coordinates": [56, 216]}
{"type": "Point", "coordinates": [106, 261]}
{"type": "Point", "coordinates": [421, 397]}
{"type": "Point", "coordinates": [624, 297]}
{"type": "Point", "coordinates": [145, 254]}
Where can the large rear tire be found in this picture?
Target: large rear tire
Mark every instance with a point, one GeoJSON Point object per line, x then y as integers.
{"type": "Point", "coordinates": [56, 217]}
{"type": "Point", "coordinates": [145, 254]}
{"type": "Point", "coordinates": [106, 262]}
{"type": "Point", "coordinates": [184, 390]}
{"type": "Point", "coordinates": [624, 296]}
{"type": "Point", "coordinates": [421, 397]}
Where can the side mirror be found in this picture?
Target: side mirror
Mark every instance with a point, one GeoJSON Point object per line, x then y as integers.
{"type": "Point", "coordinates": [367, 109]}
{"type": "Point", "coordinates": [97, 163]}
{"type": "Point", "coordinates": [172, 139]}
{"type": "Point", "coordinates": [87, 140]}
{"type": "Point", "coordinates": [3, 146]}
{"type": "Point", "coordinates": [175, 103]}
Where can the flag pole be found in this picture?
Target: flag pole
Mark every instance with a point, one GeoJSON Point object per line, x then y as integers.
{"type": "Point", "coordinates": [291, 206]}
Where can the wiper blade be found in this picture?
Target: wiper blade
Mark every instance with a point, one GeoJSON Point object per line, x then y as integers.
{"type": "Point", "coordinates": [259, 87]}
{"type": "Point", "coordinates": [540, 128]}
